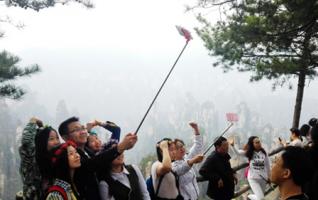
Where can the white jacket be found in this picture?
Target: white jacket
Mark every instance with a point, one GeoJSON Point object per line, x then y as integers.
{"type": "Point", "coordinates": [187, 179]}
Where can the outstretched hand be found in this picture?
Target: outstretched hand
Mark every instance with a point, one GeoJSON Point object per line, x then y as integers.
{"type": "Point", "coordinates": [198, 158]}
{"type": "Point", "coordinates": [128, 142]}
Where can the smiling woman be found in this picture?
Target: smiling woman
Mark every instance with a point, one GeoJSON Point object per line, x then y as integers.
{"type": "Point", "coordinates": [183, 163]}
{"type": "Point", "coordinates": [65, 160]}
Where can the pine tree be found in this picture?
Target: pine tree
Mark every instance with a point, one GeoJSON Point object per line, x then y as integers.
{"type": "Point", "coordinates": [277, 40]}
{"type": "Point", "coordinates": [9, 71]}
{"type": "Point", "coordinates": [38, 5]}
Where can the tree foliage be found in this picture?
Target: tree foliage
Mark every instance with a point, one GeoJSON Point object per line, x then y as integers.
{"type": "Point", "coordinates": [41, 4]}
{"type": "Point", "coordinates": [9, 71]}
{"type": "Point", "coordinates": [273, 39]}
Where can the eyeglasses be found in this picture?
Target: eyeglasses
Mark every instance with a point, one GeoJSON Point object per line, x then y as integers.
{"type": "Point", "coordinates": [82, 128]}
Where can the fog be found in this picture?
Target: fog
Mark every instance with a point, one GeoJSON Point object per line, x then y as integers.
{"type": "Point", "coordinates": [107, 63]}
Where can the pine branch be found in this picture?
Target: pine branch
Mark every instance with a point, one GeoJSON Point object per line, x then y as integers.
{"type": "Point", "coordinates": [270, 56]}
{"type": "Point", "coordinates": [38, 5]}
{"type": "Point", "coordinates": [11, 91]}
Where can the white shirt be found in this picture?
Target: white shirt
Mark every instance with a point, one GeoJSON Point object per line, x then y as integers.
{"type": "Point", "coordinates": [168, 188]}
{"type": "Point", "coordinates": [296, 143]}
{"type": "Point", "coordinates": [123, 178]}
{"type": "Point", "coordinates": [187, 179]}
{"type": "Point", "coordinates": [259, 166]}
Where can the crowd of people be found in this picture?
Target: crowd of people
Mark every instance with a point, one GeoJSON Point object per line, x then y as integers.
{"type": "Point", "coordinates": [82, 168]}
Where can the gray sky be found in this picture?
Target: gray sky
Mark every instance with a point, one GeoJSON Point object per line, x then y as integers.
{"type": "Point", "coordinates": [108, 62]}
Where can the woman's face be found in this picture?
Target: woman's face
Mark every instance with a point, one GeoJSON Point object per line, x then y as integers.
{"type": "Point", "coordinates": [119, 160]}
{"type": "Point", "coordinates": [53, 140]}
{"type": "Point", "coordinates": [172, 151]}
{"type": "Point", "coordinates": [257, 144]}
{"type": "Point", "coordinates": [180, 150]}
{"type": "Point", "coordinates": [94, 143]}
{"type": "Point", "coordinates": [74, 159]}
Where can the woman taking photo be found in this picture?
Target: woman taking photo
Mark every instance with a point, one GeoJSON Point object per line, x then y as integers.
{"type": "Point", "coordinates": [165, 182]}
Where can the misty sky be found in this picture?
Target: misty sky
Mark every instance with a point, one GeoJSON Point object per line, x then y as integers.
{"type": "Point", "coordinates": [108, 62]}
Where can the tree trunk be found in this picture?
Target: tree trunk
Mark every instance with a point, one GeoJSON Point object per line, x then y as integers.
{"type": "Point", "coordinates": [299, 98]}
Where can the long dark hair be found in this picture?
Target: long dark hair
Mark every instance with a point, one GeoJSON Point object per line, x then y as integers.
{"type": "Point", "coordinates": [42, 155]}
{"type": "Point", "coordinates": [59, 161]}
{"type": "Point", "coordinates": [250, 148]}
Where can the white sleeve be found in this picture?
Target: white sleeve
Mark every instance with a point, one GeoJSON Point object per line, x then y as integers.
{"type": "Point", "coordinates": [238, 152]}
{"type": "Point", "coordinates": [196, 147]}
{"type": "Point", "coordinates": [142, 184]}
{"type": "Point", "coordinates": [267, 165]}
{"type": "Point", "coordinates": [104, 191]}
{"type": "Point", "coordinates": [180, 167]}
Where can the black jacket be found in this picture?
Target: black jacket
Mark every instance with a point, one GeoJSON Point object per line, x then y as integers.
{"type": "Point", "coordinates": [311, 189]}
{"type": "Point", "coordinates": [217, 166]}
{"type": "Point", "coordinates": [85, 177]}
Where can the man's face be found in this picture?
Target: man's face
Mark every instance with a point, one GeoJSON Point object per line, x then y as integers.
{"type": "Point", "coordinates": [278, 172]}
{"type": "Point", "coordinates": [224, 147]}
{"type": "Point", "coordinates": [77, 133]}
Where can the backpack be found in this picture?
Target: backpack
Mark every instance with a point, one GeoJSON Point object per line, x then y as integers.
{"type": "Point", "coordinates": [59, 189]}
{"type": "Point", "coordinates": [151, 190]}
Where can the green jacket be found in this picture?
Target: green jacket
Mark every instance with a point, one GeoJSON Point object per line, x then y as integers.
{"type": "Point", "coordinates": [29, 170]}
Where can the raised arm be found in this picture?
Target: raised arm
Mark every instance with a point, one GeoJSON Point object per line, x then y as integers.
{"type": "Point", "coordinates": [181, 167]}
{"type": "Point", "coordinates": [113, 128]}
{"type": "Point", "coordinates": [102, 160]}
{"type": "Point", "coordinates": [238, 152]}
{"type": "Point", "coordinates": [165, 166]}
{"type": "Point", "coordinates": [29, 132]}
{"type": "Point", "coordinates": [197, 143]}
